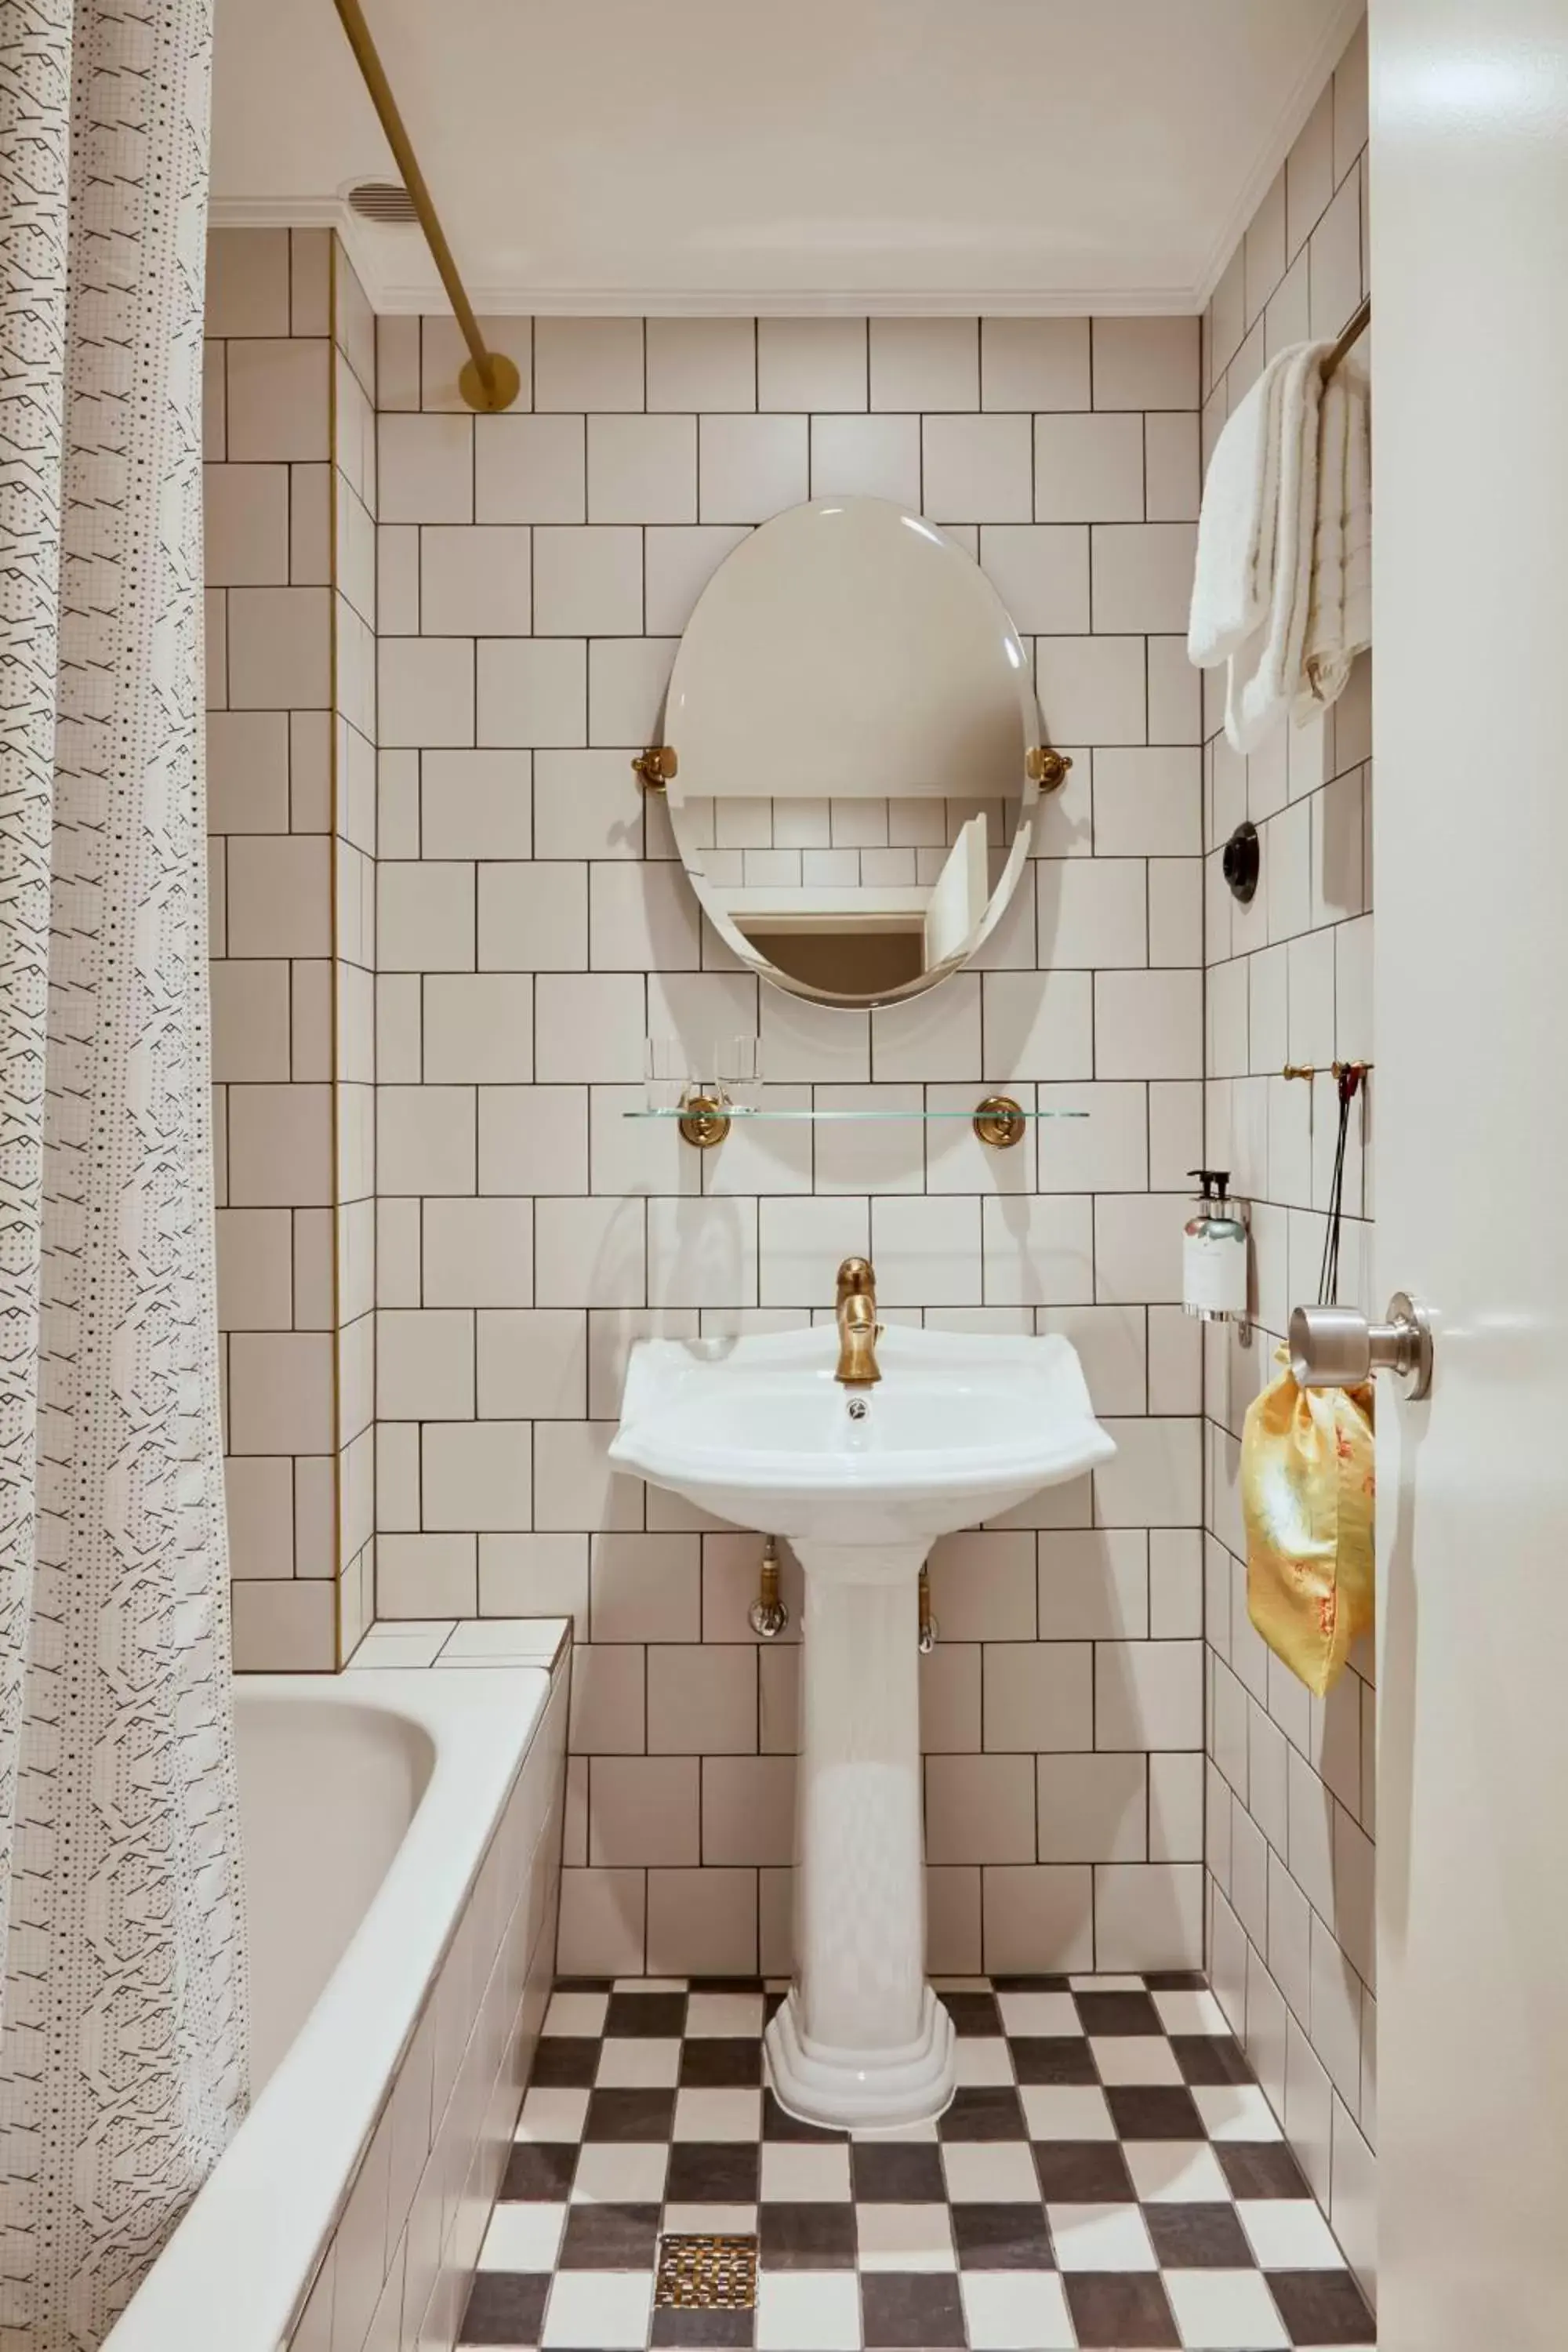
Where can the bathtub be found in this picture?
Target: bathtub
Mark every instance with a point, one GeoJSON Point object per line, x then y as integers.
{"type": "Point", "coordinates": [402, 1836]}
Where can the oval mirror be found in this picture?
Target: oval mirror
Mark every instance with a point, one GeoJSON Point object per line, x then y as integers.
{"type": "Point", "coordinates": [852, 727]}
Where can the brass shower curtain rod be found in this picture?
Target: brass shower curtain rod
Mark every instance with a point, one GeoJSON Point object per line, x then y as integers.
{"type": "Point", "coordinates": [489, 379]}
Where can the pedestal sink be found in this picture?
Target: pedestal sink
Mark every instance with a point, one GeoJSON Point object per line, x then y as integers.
{"type": "Point", "coordinates": [862, 1481]}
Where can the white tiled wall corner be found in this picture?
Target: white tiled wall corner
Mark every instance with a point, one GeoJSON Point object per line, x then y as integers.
{"type": "Point", "coordinates": [1289, 1850]}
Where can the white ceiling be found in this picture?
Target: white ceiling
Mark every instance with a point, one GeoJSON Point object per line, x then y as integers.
{"type": "Point", "coordinates": [913, 155]}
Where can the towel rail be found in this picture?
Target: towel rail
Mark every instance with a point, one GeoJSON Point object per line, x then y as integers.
{"type": "Point", "coordinates": [1359, 321]}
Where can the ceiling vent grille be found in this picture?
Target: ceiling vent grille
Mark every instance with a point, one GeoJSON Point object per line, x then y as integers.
{"type": "Point", "coordinates": [384, 200]}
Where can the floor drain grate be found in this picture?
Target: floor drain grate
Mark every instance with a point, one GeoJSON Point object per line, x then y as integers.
{"type": "Point", "coordinates": [705, 2273]}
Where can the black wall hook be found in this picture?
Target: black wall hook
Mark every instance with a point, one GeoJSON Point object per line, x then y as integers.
{"type": "Point", "coordinates": [1239, 862]}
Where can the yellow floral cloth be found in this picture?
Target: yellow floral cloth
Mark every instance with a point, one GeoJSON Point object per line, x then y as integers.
{"type": "Point", "coordinates": [1308, 1496]}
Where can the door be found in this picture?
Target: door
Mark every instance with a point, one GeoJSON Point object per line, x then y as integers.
{"type": "Point", "coordinates": [1470, 273]}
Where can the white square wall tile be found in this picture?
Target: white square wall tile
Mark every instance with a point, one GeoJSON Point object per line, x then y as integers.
{"type": "Point", "coordinates": [1034, 363]}
{"type": "Point", "coordinates": [1088, 469]}
{"type": "Point", "coordinates": [1143, 575]}
{"type": "Point", "coordinates": [695, 363]}
{"type": "Point", "coordinates": [977, 468]}
{"type": "Point", "coordinates": [811, 363]}
{"type": "Point", "coordinates": [587, 363]}
{"type": "Point", "coordinates": [678, 563]}
{"type": "Point", "coordinates": [530, 692]}
{"type": "Point", "coordinates": [425, 691]}
{"type": "Point", "coordinates": [474, 579]}
{"type": "Point", "coordinates": [1146, 363]}
{"type": "Point", "coordinates": [927, 1251]}
{"type": "Point", "coordinates": [425, 468]}
{"type": "Point", "coordinates": [867, 456]}
{"type": "Point", "coordinates": [925, 364]}
{"type": "Point", "coordinates": [476, 1474]}
{"type": "Point", "coordinates": [1040, 571]}
{"type": "Point", "coordinates": [750, 467]}
{"type": "Point", "coordinates": [588, 582]}
{"type": "Point", "coordinates": [642, 470]}
{"type": "Point", "coordinates": [530, 469]}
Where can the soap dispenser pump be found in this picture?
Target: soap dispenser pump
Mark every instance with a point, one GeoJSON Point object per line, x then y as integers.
{"type": "Point", "coordinates": [1214, 1253]}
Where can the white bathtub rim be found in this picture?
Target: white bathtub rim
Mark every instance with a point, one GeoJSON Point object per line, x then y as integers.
{"type": "Point", "coordinates": [270, 2206]}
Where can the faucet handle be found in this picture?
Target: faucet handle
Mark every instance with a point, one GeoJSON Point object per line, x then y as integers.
{"type": "Point", "coordinates": [855, 1274]}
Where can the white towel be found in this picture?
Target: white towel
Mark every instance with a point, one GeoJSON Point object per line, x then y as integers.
{"type": "Point", "coordinates": [1265, 672]}
{"type": "Point", "coordinates": [1232, 576]}
{"type": "Point", "coordinates": [1339, 620]}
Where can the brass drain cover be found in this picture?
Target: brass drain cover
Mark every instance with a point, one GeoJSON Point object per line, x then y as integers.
{"type": "Point", "coordinates": [703, 2274]}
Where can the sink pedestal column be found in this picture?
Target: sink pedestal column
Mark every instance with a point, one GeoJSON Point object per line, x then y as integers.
{"type": "Point", "coordinates": [862, 2040]}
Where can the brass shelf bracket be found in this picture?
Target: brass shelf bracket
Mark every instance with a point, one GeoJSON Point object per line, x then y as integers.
{"type": "Point", "coordinates": [1000, 1123]}
{"type": "Point", "coordinates": [655, 767]}
{"type": "Point", "coordinates": [703, 1121]}
{"type": "Point", "coordinates": [1046, 768]}
{"type": "Point", "coordinates": [489, 381]}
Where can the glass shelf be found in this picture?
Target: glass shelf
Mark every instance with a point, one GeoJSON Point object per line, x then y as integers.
{"type": "Point", "coordinates": [820, 1117]}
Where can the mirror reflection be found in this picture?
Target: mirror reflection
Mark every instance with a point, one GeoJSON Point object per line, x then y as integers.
{"type": "Point", "coordinates": [851, 717]}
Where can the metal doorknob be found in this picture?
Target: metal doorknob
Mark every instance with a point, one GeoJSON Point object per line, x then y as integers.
{"type": "Point", "coordinates": [1339, 1348]}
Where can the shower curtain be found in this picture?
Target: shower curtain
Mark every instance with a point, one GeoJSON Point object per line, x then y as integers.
{"type": "Point", "coordinates": [122, 2015]}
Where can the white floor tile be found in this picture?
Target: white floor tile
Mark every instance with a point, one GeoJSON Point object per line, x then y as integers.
{"type": "Point", "coordinates": [718, 2114]}
{"type": "Point", "coordinates": [598, 2311]}
{"type": "Point", "coordinates": [1016, 2311]}
{"type": "Point", "coordinates": [710, 2220]}
{"type": "Point", "coordinates": [1038, 2012]}
{"type": "Point", "coordinates": [1066, 2111]}
{"type": "Point", "coordinates": [904, 2238]}
{"type": "Point", "coordinates": [1190, 2012]}
{"type": "Point", "coordinates": [1105, 1984]}
{"type": "Point", "coordinates": [1132, 2058]}
{"type": "Point", "coordinates": [632, 2062]}
{"type": "Point", "coordinates": [1100, 2238]}
{"type": "Point", "coordinates": [1218, 2310]}
{"type": "Point", "coordinates": [525, 2237]}
{"type": "Point", "coordinates": [732, 2014]}
{"type": "Point", "coordinates": [650, 1984]}
{"type": "Point", "coordinates": [1289, 2233]}
{"type": "Point", "coordinates": [821, 2308]}
{"type": "Point", "coordinates": [990, 2172]}
{"type": "Point", "coordinates": [1177, 2172]}
{"type": "Point", "coordinates": [630, 2174]}
{"type": "Point", "coordinates": [804, 2172]}
{"type": "Point", "coordinates": [980, 2058]}
{"type": "Point", "coordinates": [577, 2013]}
{"type": "Point", "coordinates": [553, 2115]}
{"type": "Point", "coordinates": [1235, 2110]}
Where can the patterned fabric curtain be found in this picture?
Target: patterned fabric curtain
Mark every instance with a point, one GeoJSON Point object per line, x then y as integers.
{"type": "Point", "coordinates": [123, 2050]}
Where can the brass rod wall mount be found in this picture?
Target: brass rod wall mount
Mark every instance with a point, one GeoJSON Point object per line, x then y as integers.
{"type": "Point", "coordinates": [489, 381]}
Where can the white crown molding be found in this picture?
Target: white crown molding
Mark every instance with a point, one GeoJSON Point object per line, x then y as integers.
{"type": "Point", "coordinates": [393, 297]}
{"type": "Point", "coordinates": [1288, 124]}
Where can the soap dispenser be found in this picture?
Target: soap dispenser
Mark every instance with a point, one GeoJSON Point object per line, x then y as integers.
{"type": "Point", "coordinates": [1214, 1254]}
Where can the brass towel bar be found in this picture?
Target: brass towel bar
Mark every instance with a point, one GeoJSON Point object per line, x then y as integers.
{"type": "Point", "coordinates": [1360, 320]}
{"type": "Point", "coordinates": [490, 380]}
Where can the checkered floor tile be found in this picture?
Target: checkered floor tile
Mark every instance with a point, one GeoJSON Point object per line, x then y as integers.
{"type": "Point", "coordinates": [1108, 2175]}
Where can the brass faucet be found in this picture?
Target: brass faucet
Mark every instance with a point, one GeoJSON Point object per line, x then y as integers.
{"type": "Point", "coordinates": [858, 1329]}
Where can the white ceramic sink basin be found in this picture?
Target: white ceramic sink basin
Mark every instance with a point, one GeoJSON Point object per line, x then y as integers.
{"type": "Point", "coordinates": [960, 1428]}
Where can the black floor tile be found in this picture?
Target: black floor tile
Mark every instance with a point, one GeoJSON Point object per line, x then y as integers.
{"type": "Point", "coordinates": [1083, 2172]}
{"type": "Point", "coordinates": [630, 2116]}
{"type": "Point", "coordinates": [779, 2124]}
{"type": "Point", "coordinates": [539, 2172]}
{"type": "Point", "coordinates": [1321, 2307]}
{"type": "Point", "coordinates": [1154, 2111]}
{"type": "Point", "coordinates": [1175, 1981]}
{"type": "Point", "coordinates": [919, 2308]}
{"type": "Point", "coordinates": [1198, 2238]}
{"type": "Point", "coordinates": [972, 2012]}
{"type": "Point", "coordinates": [1261, 2168]}
{"type": "Point", "coordinates": [1210, 2058]}
{"type": "Point", "coordinates": [1120, 2311]}
{"type": "Point", "coordinates": [505, 2307]}
{"type": "Point", "coordinates": [1028, 1984]}
{"type": "Point", "coordinates": [610, 2238]}
{"type": "Point", "coordinates": [691, 2330]}
{"type": "Point", "coordinates": [566, 2062]}
{"type": "Point", "coordinates": [716, 2062]}
{"type": "Point", "coordinates": [1002, 2238]}
{"type": "Point", "coordinates": [1053, 2058]}
{"type": "Point", "coordinates": [797, 2236]}
{"type": "Point", "coordinates": [713, 2173]}
{"type": "Point", "coordinates": [983, 2111]}
{"type": "Point", "coordinates": [897, 2172]}
{"type": "Point", "coordinates": [646, 2014]}
{"type": "Point", "coordinates": [1118, 2012]}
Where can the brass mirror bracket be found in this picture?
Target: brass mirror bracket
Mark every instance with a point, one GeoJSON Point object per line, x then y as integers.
{"type": "Point", "coordinates": [1046, 768]}
{"type": "Point", "coordinates": [655, 767]}
{"type": "Point", "coordinates": [703, 1121]}
{"type": "Point", "coordinates": [498, 392]}
{"type": "Point", "coordinates": [1000, 1123]}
